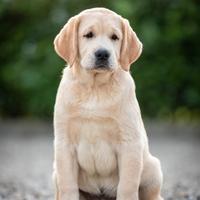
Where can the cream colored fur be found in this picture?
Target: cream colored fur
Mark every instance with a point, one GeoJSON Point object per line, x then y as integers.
{"type": "Point", "coordinates": [100, 140]}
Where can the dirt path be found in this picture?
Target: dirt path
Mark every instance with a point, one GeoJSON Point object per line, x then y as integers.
{"type": "Point", "coordinates": [26, 153]}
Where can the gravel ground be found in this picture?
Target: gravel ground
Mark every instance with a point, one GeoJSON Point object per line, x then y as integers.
{"type": "Point", "coordinates": [26, 154]}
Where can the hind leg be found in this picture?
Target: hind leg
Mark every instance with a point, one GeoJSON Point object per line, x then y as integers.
{"type": "Point", "coordinates": [151, 180]}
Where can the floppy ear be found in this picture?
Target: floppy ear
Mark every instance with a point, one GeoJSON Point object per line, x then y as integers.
{"type": "Point", "coordinates": [131, 48]}
{"type": "Point", "coordinates": [66, 42]}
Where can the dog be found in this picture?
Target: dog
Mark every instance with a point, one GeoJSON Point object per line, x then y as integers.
{"type": "Point", "coordinates": [101, 147]}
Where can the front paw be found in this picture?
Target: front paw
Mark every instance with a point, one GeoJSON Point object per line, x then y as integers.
{"type": "Point", "coordinates": [68, 196]}
{"type": "Point", "coordinates": [128, 196]}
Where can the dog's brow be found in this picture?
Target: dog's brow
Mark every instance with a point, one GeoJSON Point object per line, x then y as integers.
{"type": "Point", "coordinates": [89, 28]}
{"type": "Point", "coordinates": [117, 31]}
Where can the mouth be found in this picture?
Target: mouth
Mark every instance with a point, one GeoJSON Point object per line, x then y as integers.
{"type": "Point", "coordinates": [102, 69]}
{"type": "Point", "coordinates": [101, 66]}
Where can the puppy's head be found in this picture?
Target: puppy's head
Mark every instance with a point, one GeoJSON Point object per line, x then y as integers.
{"type": "Point", "coordinates": [98, 39]}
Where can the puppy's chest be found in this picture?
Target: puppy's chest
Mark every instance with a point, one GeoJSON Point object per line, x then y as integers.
{"type": "Point", "coordinates": [92, 121]}
{"type": "Point", "coordinates": [95, 133]}
{"type": "Point", "coordinates": [95, 140]}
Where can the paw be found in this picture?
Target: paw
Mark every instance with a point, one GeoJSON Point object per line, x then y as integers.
{"type": "Point", "coordinates": [68, 196]}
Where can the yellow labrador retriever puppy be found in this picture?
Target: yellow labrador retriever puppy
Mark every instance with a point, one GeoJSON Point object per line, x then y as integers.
{"type": "Point", "coordinates": [101, 147]}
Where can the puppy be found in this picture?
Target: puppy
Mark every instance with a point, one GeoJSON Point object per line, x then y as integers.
{"type": "Point", "coordinates": [101, 147]}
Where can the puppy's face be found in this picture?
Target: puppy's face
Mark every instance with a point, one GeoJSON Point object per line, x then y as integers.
{"type": "Point", "coordinates": [98, 39]}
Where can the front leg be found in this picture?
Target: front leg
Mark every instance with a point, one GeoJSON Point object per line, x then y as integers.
{"type": "Point", "coordinates": [65, 165]}
{"type": "Point", "coordinates": [130, 168]}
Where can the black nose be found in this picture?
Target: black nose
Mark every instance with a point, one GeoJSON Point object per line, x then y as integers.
{"type": "Point", "coordinates": [102, 55]}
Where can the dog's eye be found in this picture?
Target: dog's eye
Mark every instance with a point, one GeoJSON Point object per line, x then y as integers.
{"type": "Point", "coordinates": [114, 37]}
{"type": "Point", "coordinates": [89, 35]}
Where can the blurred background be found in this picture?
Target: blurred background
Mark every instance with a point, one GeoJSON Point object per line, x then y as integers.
{"type": "Point", "coordinates": [167, 77]}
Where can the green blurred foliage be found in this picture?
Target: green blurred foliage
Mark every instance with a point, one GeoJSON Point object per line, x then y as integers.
{"type": "Point", "coordinates": [167, 75]}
